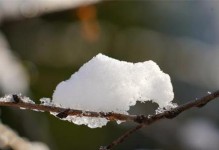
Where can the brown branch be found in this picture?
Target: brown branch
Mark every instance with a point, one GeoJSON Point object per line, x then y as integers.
{"type": "Point", "coordinates": [110, 115]}
{"type": "Point", "coordinates": [64, 112]}
{"type": "Point", "coordinates": [122, 137]}
{"type": "Point", "coordinates": [144, 121]}
{"type": "Point", "coordinates": [141, 119]}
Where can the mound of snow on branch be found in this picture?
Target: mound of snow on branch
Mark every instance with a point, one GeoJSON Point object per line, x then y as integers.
{"type": "Point", "coordinates": [105, 84]}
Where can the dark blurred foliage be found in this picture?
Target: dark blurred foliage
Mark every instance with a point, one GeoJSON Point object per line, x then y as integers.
{"type": "Point", "coordinates": [181, 36]}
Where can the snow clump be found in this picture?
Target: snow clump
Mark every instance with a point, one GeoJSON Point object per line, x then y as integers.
{"type": "Point", "coordinates": [105, 84]}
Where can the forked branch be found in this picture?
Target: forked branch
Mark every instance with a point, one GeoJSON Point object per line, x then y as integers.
{"type": "Point", "coordinates": [170, 114]}
{"type": "Point", "coordinates": [143, 120]}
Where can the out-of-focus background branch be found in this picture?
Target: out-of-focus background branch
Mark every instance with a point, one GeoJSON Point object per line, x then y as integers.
{"type": "Point", "coordinates": [44, 42]}
{"type": "Point", "coordinates": [20, 9]}
{"type": "Point", "coordinates": [10, 139]}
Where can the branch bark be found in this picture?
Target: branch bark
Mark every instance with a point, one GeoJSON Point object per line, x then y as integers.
{"type": "Point", "coordinates": [142, 120]}
{"type": "Point", "coordinates": [68, 112]}
{"type": "Point", "coordinates": [170, 114]}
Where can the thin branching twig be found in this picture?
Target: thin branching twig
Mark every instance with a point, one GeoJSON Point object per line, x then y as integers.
{"type": "Point", "coordinates": [142, 120]}
{"type": "Point", "coordinates": [170, 114]}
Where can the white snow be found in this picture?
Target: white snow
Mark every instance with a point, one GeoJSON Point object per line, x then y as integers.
{"type": "Point", "coordinates": [91, 122]}
{"type": "Point", "coordinates": [7, 98]}
{"type": "Point", "coordinates": [105, 84]}
{"type": "Point", "coordinates": [168, 107]}
{"type": "Point", "coordinates": [45, 101]}
{"type": "Point", "coordinates": [26, 99]}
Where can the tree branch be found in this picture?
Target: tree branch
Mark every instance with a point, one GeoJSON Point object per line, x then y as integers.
{"type": "Point", "coordinates": [143, 120]}
{"type": "Point", "coordinates": [68, 112]}
{"type": "Point", "coordinates": [122, 137]}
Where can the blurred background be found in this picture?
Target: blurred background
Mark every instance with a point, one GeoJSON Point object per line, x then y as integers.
{"type": "Point", "coordinates": [43, 42]}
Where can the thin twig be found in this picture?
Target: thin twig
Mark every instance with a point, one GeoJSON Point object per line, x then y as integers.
{"type": "Point", "coordinates": [166, 114]}
{"type": "Point", "coordinates": [122, 137]}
